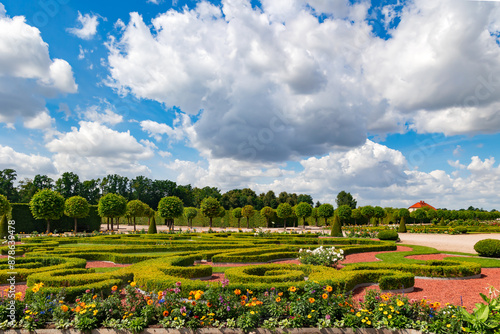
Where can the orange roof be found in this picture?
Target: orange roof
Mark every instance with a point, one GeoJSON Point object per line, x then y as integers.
{"type": "Point", "coordinates": [421, 204]}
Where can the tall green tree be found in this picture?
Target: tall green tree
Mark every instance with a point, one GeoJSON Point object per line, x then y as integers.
{"type": "Point", "coordinates": [326, 211]}
{"type": "Point", "coordinates": [356, 215]}
{"type": "Point", "coordinates": [378, 214]}
{"type": "Point", "coordinates": [368, 212]}
{"type": "Point", "coordinates": [315, 215]}
{"type": "Point", "coordinates": [284, 211]}
{"type": "Point", "coordinates": [268, 213]}
{"type": "Point", "coordinates": [336, 228]}
{"type": "Point", "coordinates": [47, 204]}
{"type": "Point", "coordinates": [302, 211]}
{"type": "Point", "coordinates": [170, 207]}
{"type": "Point", "coordinates": [419, 214]}
{"type": "Point", "coordinates": [76, 207]}
{"type": "Point", "coordinates": [304, 198]}
{"type": "Point", "coordinates": [248, 211]}
{"type": "Point", "coordinates": [190, 213]}
{"type": "Point", "coordinates": [237, 214]}
{"type": "Point", "coordinates": [43, 182]}
{"type": "Point", "coordinates": [136, 208]}
{"type": "Point", "coordinates": [68, 185]}
{"type": "Point", "coordinates": [344, 213]}
{"type": "Point", "coordinates": [345, 198]}
{"type": "Point", "coordinates": [7, 178]}
{"type": "Point", "coordinates": [91, 191]}
{"type": "Point", "coordinates": [112, 206]}
{"type": "Point", "coordinates": [4, 210]}
{"type": "Point", "coordinates": [210, 207]}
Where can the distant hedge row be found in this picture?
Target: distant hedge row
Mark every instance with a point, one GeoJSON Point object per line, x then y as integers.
{"type": "Point", "coordinates": [25, 223]}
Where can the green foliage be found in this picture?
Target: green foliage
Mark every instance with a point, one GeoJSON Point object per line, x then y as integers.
{"type": "Point", "coordinates": [402, 225]}
{"type": "Point", "coordinates": [76, 207]}
{"type": "Point", "coordinates": [47, 204]}
{"type": "Point", "coordinates": [388, 235]}
{"type": "Point", "coordinates": [302, 211]}
{"type": "Point", "coordinates": [4, 205]}
{"type": "Point", "coordinates": [488, 247]}
{"type": "Point", "coordinates": [326, 211]}
{"type": "Point", "coordinates": [345, 198]}
{"type": "Point", "coordinates": [4, 227]}
{"type": "Point", "coordinates": [170, 207]}
{"type": "Point", "coordinates": [344, 212]}
{"type": "Point", "coordinates": [378, 213]}
{"type": "Point", "coordinates": [210, 207]}
{"type": "Point", "coordinates": [190, 214]}
{"type": "Point", "coordinates": [368, 212]}
{"type": "Point", "coordinates": [336, 228]}
{"type": "Point", "coordinates": [136, 208]}
{"type": "Point", "coordinates": [284, 211]}
{"type": "Point", "coordinates": [152, 226]}
{"type": "Point", "coordinates": [266, 212]}
{"type": "Point", "coordinates": [112, 206]}
{"type": "Point", "coordinates": [248, 211]}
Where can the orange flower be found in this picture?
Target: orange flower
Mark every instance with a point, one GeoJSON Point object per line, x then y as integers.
{"type": "Point", "coordinates": [165, 313]}
{"type": "Point", "coordinates": [324, 296]}
{"type": "Point", "coordinates": [82, 304]}
{"type": "Point", "coordinates": [242, 303]}
{"type": "Point", "coordinates": [64, 308]}
{"type": "Point", "coordinates": [329, 288]}
{"type": "Point", "coordinates": [150, 302]}
{"type": "Point", "coordinates": [193, 303]}
{"type": "Point", "coordinates": [77, 309]}
{"type": "Point", "coordinates": [278, 299]}
{"type": "Point", "coordinates": [209, 304]}
{"type": "Point", "coordinates": [280, 294]}
{"type": "Point", "coordinates": [237, 292]}
{"type": "Point", "coordinates": [94, 297]}
{"type": "Point", "coordinates": [243, 297]}
{"type": "Point", "coordinates": [292, 289]}
{"type": "Point", "coordinates": [311, 300]}
{"type": "Point", "coordinates": [160, 293]}
{"type": "Point", "coordinates": [114, 288]}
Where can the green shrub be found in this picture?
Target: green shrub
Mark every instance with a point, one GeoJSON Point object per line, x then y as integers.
{"type": "Point", "coordinates": [460, 229]}
{"type": "Point", "coordinates": [388, 235]}
{"type": "Point", "coordinates": [488, 247]}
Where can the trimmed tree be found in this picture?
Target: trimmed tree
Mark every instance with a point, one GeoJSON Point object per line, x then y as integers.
{"type": "Point", "coordinates": [210, 207]}
{"type": "Point", "coordinates": [47, 204]}
{"type": "Point", "coordinates": [268, 213]}
{"type": "Point", "coordinates": [326, 211]}
{"type": "Point", "coordinates": [336, 228]}
{"type": "Point", "coordinates": [303, 210]}
{"type": "Point", "coordinates": [284, 211]}
{"type": "Point", "coordinates": [135, 208]}
{"type": "Point", "coordinates": [403, 214]}
{"type": "Point", "coordinates": [378, 213]}
{"type": "Point", "coordinates": [368, 212]}
{"type": "Point", "coordinates": [190, 213]}
{"type": "Point", "coordinates": [237, 214]}
{"type": "Point", "coordinates": [152, 226]}
{"type": "Point", "coordinates": [315, 215]}
{"type": "Point", "coordinates": [356, 214]}
{"type": "Point", "coordinates": [419, 214]}
{"type": "Point", "coordinates": [170, 207]}
{"type": "Point", "coordinates": [76, 207]}
{"type": "Point", "coordinates": [112, 206]}
{"type": "Point", "coordinates": [4, 210]}
{"type": "Point", "coordinates": [344, 213]}
{"type": "Point", "coordinates": [247, 212]}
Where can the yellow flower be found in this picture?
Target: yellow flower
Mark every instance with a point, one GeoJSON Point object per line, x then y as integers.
{"type": "Point", "coordinates": [368, 322]}
{"type": "Point", "coordinates": [150, 302]}
{"type": "Point", "coordinates": [358, 314]}
{"type": "Point", "coordinates": [278, 299]}
{"type": "Point", "coordinates": [389, 317]}
{"type": "Point", "coordinates": [311, 300]}
{"type": "Point", "coordinates": [329, 288]}
{"type": "Point", "coordinates": [309, 316]}
{"type": "Point", "coordinates": [292, 289]}
{"type": "Point", "coordinates": [237, 292]}
{"type": "Point", "coordinates": [64, 308]}
{"type": "Point", "coordinates": [132, 284]}
{"type": "Point", "coordinates": [400, 303]}
{"type": "Point", "coordinates": [95, 312]}
{"type": "Point", "coordinates": [252, 312]}
{"type": "Point", "coordinates": [449, 325]}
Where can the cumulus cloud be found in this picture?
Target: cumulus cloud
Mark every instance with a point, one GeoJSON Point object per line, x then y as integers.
{"type": "Point", "coordinates": [27, 165]}
{"type": "Point", "coordinates": [27, 74]}
{"type": "Point", "coordinates": [96, 114]}
{"type": "Point", "coordinates": [175, 133]}
{"type": "Point", "coordinates": [42, 121]}
{"type": "Point", "coordinates": [88, 27]}
{"type": "Point", "coordinates": [267, 87]}
{"type": "Point", "coordinates": [94, 149]}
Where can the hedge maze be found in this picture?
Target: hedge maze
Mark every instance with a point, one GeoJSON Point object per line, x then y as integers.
{"type": "Point", "coordinates": [160, 260]}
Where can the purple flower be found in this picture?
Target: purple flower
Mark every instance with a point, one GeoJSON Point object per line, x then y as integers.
{"type": "Point", "coordinates": [183, 309]}
{"type": "Point", "coordinates": [327, 317]}
{"type": "Point", "coordinates": [177, 290]}
{"type": "Point", "coordinates": [178, 283]}
{"type": "Point", "coordinates": [228, 309]}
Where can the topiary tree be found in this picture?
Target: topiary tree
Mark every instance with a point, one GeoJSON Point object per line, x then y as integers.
{"type": "Point", "coordinates": [247, 212]}
{"type": "Point", "coordinates": [190, 214]}
{"type": "Point", "coordinates": [112, 206]}
{"type": "Point", "coordinates": [284, 211]}
{"type": "Point", "coordinates": [76, 207]}
{"type": "Point", "coordinates": [152, 226]}
{"type": "Point", "coordinates": [368, 212]}
{"type": "Point", "coordinates": [303, 210]}
{"type": "Point", "coordinates": [47, 204]}
{"type": "Point", "coordinates": [326, 211]}
{"type": "Point", "coordinates": [210, 207]}
{"type": "Point", "coordinates": [315, 215]}
{"type": "Point", "coordinates": [268, 213]}
{"type": "Point", "coordinates": [170, 208]}
{"type": "Point", "coordinates": [356, 214]}
{"type": "Point", "coordinates": [336, 228]}
{"type": "Point", "coordinates": [403, 214]}
{"type": "Point", "coordinates": [419, 214]}
{"type": "Point", "coordinates": [378, 214]}
{"type": "Point", "coordinates": [135, 208]}
{"type": "Point", "coordinates": [237, 214]}
{"type": "Point", "coordinates": [4, 210]}
{"type": "Point", "coordinates": [344, 213]}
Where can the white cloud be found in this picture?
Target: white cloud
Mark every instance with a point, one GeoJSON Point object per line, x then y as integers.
{"type": "Point", "coordinates": [94, 149]}
{"type": "Point", "coordinates": [88, 27]}
{"type": "Point", "coordinates": [42, 121]}
{"type": "Point", "coordinates": [244, 69]}
{"type": "Point", "coordinates": [176, 133]}
{"type": "Point", "coordinates": [457, 151]}
{"type": "Point", "coordinates": [96, 114]}
{"type": "Point", "coordinates": [27, 74]}
{"type": "Point", "coordinates": [165, 154]}
{"type": "Point", "coordinates": [27, 165]}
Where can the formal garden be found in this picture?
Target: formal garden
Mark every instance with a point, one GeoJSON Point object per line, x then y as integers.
{"type": "Point", "coordinates": [223, 280]}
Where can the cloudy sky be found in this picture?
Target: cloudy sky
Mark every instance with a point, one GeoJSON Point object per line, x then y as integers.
{"type": "Point", "coordinates": [393, 101]}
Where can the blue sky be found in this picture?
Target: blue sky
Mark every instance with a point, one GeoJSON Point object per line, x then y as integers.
{"type": "Point", "coordinates": [393, 101]}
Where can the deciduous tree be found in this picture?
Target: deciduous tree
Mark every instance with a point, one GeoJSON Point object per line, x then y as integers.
{"type": "Point", "coordinates": [170, 208]}
{"type": "Point", "coordinates": [210, 207]}
{"type": "Point", "coordinates": [326, 211]}
{"type": "Point", "coordinates": [248, 211]}
{"type": "Point", "coordinates": [76, 207]}
{"type": "Point", "coordinates": [112, 206]}
{"type": "Point", "coordinates": [284, 211]}
{"type": "Point", "coordinates": [303, 210]}
{"type": "Point", "coordinates": [47, 204]}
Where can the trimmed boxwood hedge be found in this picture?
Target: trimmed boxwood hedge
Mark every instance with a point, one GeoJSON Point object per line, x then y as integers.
{"type": "Point", "coordinates": [488, 247]}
